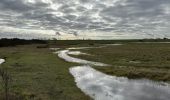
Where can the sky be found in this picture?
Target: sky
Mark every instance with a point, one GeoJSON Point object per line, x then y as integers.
{"type": "Point", "coordinates": [85, 19]}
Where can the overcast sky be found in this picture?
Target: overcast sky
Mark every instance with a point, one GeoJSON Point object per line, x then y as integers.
{"type": "Point", "coordinates": [97, 19]}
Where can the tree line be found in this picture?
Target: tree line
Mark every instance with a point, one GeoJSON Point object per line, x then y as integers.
{"type": "Point", "coordinates": [4, 42]}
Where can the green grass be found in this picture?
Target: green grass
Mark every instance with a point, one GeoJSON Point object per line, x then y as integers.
{"type": "Point", "coordinates": [39, 74]}
{"type": "Point", "coordinates": [134, 60]}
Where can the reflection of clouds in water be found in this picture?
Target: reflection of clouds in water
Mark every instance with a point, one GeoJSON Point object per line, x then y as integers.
{"type": "Point", "coordinates": [104, 87]}
{"type": "Point", "coordinates": [64, 55]}
{"type": "Point", "coordinates": [2, 61]}
{"type": "Point", "coordinates": [76, 53]}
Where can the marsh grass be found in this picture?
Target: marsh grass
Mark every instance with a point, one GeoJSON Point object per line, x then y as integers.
{"type": "Point", "coordinates": [38, 74]}
{"type": "Point", "coordinates": [134, 60]}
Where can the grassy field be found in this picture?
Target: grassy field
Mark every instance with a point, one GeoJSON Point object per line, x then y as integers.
{"type": "Point", "coordinates": [37, 74]}
{"type": "Point", "coordinates": [134, 60]}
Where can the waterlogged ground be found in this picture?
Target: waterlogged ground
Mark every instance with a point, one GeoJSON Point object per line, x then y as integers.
{"type": "Point", "coordinates": [39, 73]}
{"type": "Point", "coordinates": [100, 86]}
{"type": "Point", "coordinates": [104, 87]}
{"type": "Point", "coordinates": [133, 60]}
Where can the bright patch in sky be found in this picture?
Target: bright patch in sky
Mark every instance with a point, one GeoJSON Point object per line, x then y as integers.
{"type": "Point", "coordinates": [90, 19]}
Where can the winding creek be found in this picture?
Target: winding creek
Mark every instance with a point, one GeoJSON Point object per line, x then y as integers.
{"type": "Point", "coordinates": [100, 86]}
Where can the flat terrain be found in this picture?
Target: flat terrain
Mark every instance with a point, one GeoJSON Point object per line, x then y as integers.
{"type": "Point", "coordinates": [38, 74]}
{"type": "Point", "coordinates": [134, 60]}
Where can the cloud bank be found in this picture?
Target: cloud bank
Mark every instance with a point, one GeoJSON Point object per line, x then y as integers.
{"type": "Point", "coordinates": [75, 19]}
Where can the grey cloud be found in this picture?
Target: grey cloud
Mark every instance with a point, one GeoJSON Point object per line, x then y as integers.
{"type": "Point", "coordinates": [123, 16]}
{"type": "Point", "coordinates": [21, 5]}
{"type": "Point", "coordinates": [70, 17]}
{"type": "Point", "coordinates": [84, 1]}
{"type": "Point", "coordinates": [17, 5]}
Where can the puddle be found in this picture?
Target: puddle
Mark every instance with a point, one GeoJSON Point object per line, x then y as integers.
{"type": "Point", "coordinates": [100, 86]}
{"type": "Point", "coordinates": [55, 49]}
{"type": "Point", "coordinates": [76, 48]}
{"type": "Point", "coordinates": [105, 45]}
{"type": "Point", "coordinates": [2, 61]}
{"type": "Point", "coordinates": [114, 44]}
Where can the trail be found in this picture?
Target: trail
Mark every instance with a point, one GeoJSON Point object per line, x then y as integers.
{"type": "Point", "coordinates": [100, 86]}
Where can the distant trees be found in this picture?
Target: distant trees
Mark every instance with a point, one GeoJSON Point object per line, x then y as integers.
{"type": "Point", "coordinates": [13, 42]}
{"type": "Point", "coordinates": [165, 38]}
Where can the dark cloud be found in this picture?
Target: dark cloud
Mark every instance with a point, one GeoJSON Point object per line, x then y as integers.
{"type": "Point", "coordinates": [74, 16]}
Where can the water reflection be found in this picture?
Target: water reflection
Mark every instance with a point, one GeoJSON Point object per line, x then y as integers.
{"type": "Point", "coordinates": [64, 55]}
{"type": "Point", "coordinates": [2, 61]}
{"type": "Point", "coordinates": [104, 87]}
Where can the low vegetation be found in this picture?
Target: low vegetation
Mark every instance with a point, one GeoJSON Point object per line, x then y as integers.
{"type": "Point", "coordinates": [134, 60]}
{"type": "Point", "coordinates": [5, 77]}
{"type": "Point", "coordinates": [38, 74]}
